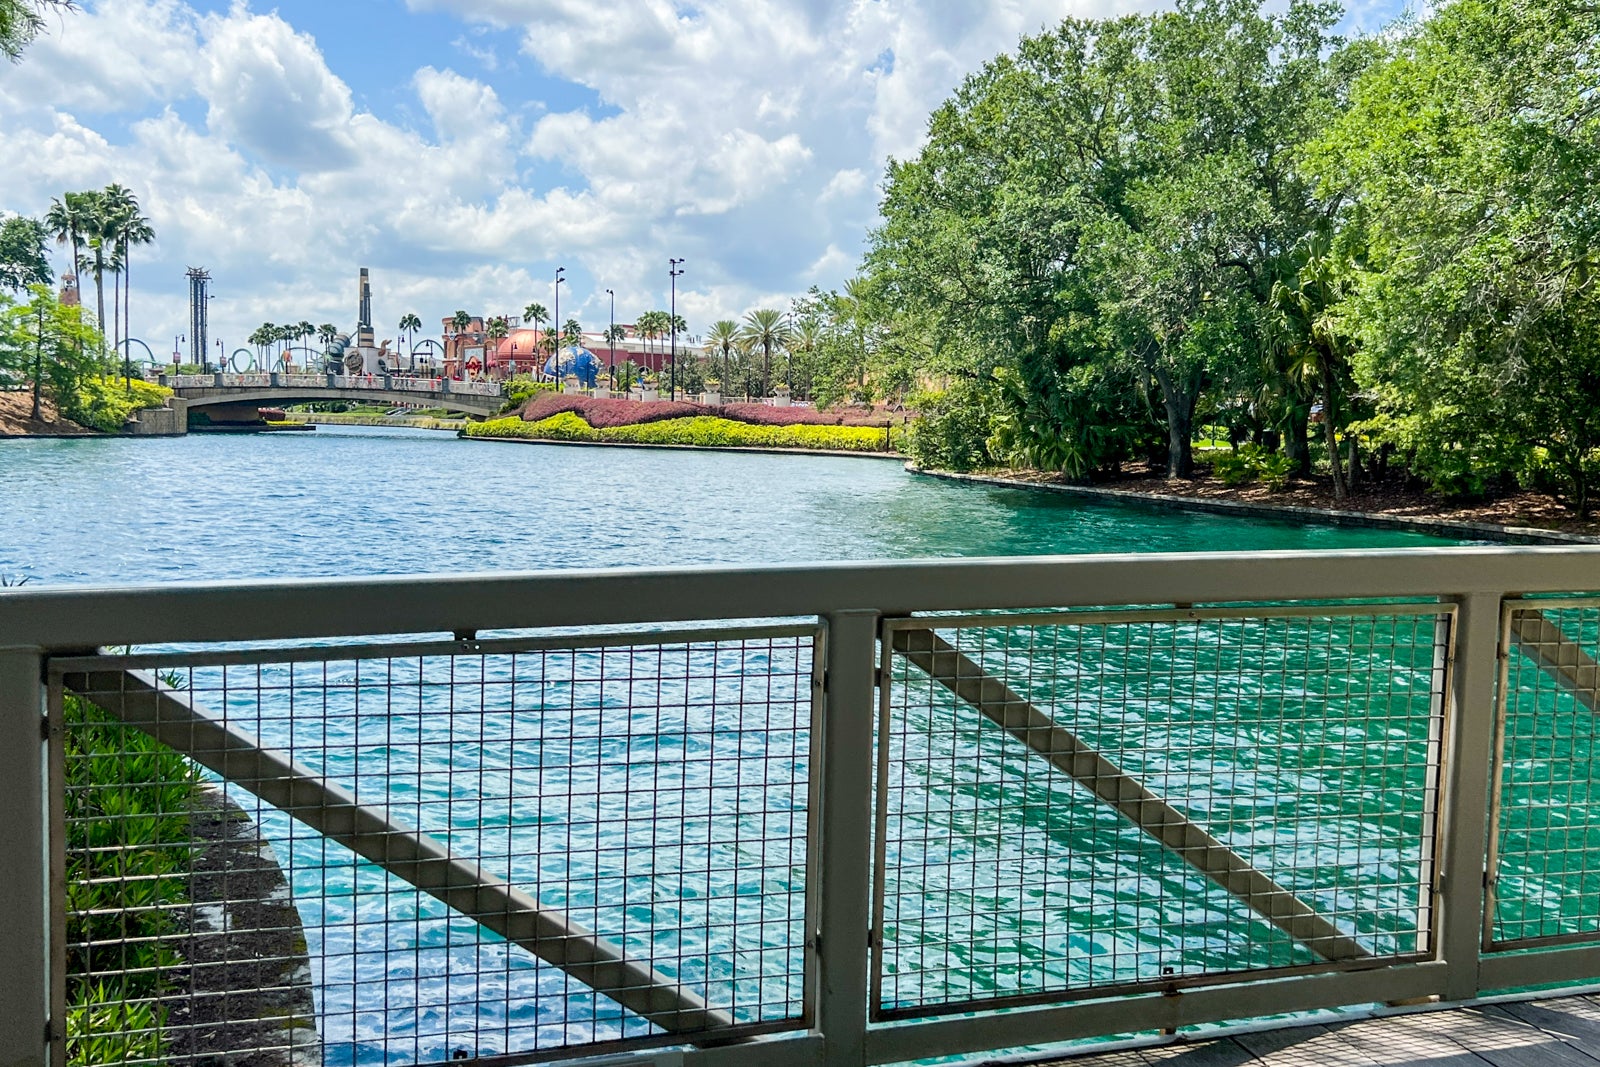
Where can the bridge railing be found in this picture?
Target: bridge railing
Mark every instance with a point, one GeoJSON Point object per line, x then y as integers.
{"type": "Point", "coordinates": [832, 814]}
{"type": "Point", "coordinates": [376, 382]}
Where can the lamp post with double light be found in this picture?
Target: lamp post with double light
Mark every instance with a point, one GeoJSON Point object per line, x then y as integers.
{"type": "Point", "coordinates": [674, 270]}
{"type": "Point", "coordinates": [555, 351]}
{"type": "Point", "coordinates": [611, 335]}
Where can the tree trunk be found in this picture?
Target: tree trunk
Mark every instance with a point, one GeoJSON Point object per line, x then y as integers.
{"type": "Point", "coordinates": [100, 295]}
{"type": "Point", "coordinates": [127, 303]}
{"type": "Point", "coordinates": [1355, 462]}
{"type": "Point", "coordinates": [1296, 439]}
{"type": "Point", "coordinates": [1330, 432]}
{"type": "Point", "coordinates": [1179, 404]}
{"type": "Point", "coordinates": [38, 364]}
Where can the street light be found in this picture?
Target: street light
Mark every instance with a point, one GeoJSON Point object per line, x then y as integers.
{"type": "Point", "coordinates": [555, 352]}
{"type": "Point", "coordinates": [177, 339]}
{"type": "Point", "coordinates": [674, 269]}
{"type": "Point", "coordinates": [611, 334]}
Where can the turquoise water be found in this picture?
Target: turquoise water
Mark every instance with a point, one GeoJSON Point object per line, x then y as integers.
{"type": "Point", "coordinates": [354, 500]}
{"type": "Point", "coordinates": [661, 801]}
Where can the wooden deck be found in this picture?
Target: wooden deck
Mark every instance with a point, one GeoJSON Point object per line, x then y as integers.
{"type": "Point", "coordinates": [1546, 1033]}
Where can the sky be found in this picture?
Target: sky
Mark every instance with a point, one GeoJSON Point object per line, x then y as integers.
{"type": "Point", "coordinates": [462, 150]}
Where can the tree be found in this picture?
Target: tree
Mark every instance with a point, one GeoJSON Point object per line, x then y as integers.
{"type": "Point", "coordinates": [495, 330]}
{"type": "Point", "coordinates": [1104, 213]}
{"type": "Point", "coordinates": [22, 253]}
{"type": "Point", "coordinates": [409, 325]}
{"type": "Point", "coordinates": [1469, 154]}
{"type": "Point", "coordinates": [47, 346]}
{"type": "Point", "coordinates": [68, 219]}
{"type": "Point", "coordinates": [125, 228]}
{"type": "Point", "coordinates": [722, 339]}
{"type": "Point", "coordinates": [766, 329]}
{"type": "Point", "coordinates": [23, 20]}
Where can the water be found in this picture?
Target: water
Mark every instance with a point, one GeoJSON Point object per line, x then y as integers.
{"type": "Point", "coordinates": [355, 500]}
{"type": "Point", "coordinates": [1224, 722]}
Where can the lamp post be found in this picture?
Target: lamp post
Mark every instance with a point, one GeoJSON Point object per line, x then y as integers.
{"type": "Point", "coordinates": [220, 364]}
{"type": "Point", "coordinates": [177, 339]}
{"type": "Point", "coordinates": [555, 352]}
{"type": "Point", "coordinates": [611, 335]}
{"type": "Point", "coordinates": [674, 269]}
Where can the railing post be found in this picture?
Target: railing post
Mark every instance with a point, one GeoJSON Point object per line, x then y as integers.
{"type": "Point", "coordinates": [25, 991]}
{"type": "Point", "coordinates": [1465, 833]}
{"type": "Point", "coordinates": [849, 709]}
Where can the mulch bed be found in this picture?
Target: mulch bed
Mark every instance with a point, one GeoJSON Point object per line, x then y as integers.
{"type": "Point", "coordinates": [1391, 498]}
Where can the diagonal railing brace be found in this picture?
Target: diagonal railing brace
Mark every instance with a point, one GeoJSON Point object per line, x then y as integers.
{"type": "Point", "coordinates": [1070, 754]}
{"type": "Point", "coordinates": [1557, 655]}
{"type": "Point", "coordinates": [169, 716]}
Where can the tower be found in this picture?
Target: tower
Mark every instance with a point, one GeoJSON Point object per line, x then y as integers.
{"type": "Point", "coordinates": [199, 299]}
{"type": "Point", "coordinates": [364, 336]}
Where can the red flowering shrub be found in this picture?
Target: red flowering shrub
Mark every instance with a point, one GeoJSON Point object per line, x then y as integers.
{"type": "Point", "coordinates": [603, 413]}
{"type": "Point", "coordinates": [606, 413]}
{"type": "Point", "coordinates": [762, 415]}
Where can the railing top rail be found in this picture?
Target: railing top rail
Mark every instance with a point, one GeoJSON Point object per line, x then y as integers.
{"type": "Point", "coordinates": [78, 618]}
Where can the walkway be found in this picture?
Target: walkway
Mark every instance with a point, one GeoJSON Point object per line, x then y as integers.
{"type": "Point", "coordinates": [1541, 1033]}
{"type": "Point", "coordinates": [482, 399]}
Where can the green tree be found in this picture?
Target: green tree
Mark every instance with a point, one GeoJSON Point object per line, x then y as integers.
{"type": "Point", "coordinates": [766, 329]}
{"type": "Point", "coordinates": [47, 346]}
{"type": "Point", "coordinates": [1105, 212]}
{"type": "Point", "coordinates": [409, 325]}
{"type": "Point", "coordinates": [1469, 154]}
{"type": "Point", "coordinates": [496, 330]}
{"type": "Point", "coordinates": [722, 340]}
{"type": "Point", "coordinates": [23, 20]}
{"type": "Point", "coordinates": [22, 253]}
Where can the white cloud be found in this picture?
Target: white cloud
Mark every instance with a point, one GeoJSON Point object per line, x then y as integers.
{"type": "Point", "coordinates": [269, 90]}
{"type": "Point", "coordinates": [747, 135]}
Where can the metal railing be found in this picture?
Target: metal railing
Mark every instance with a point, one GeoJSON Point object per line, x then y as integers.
{"type": "Point", "coordinates": [838, 814]}
{"type": "Point", "coordinates": [386, 382]}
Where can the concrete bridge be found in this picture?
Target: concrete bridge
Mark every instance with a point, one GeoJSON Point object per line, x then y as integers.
{"type": "Point", "coordinates": [236, 397]}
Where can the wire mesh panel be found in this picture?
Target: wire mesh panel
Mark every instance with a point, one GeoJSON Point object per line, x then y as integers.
{"type": "Point", "coordinates": [1545, 862]}
{"type": "Point", "coordinates": [465, 850]}
{"type": "Point", "coordinates": [1079, 802]}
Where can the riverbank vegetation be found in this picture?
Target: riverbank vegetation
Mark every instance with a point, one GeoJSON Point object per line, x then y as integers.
{"type": "Point", "coordinates": [579, 417]}
{"type": "Point", "coordinates": [1369, 259]}
{"type": "Point", "coordinates": [128, 802]}
{"type": "Point", "coordinates": [51, 351]}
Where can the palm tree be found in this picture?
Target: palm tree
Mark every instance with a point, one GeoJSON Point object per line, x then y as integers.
{"type": "Point", "coordinates": [496, 329]}
{"type": "Point", "coordinates": [652, 326]}
{"type": "Point", "coordinates": [326, 333]}
{"type": "Point", "coordinates": [409, 325]}
{"type": "Point", "coordinates": [126, 228]}
{"type": "Point", "coordinates": [722, 339]}
{"type": "Point", "coordinates": [767, 329]}
{"type": "Point", "coordinates": [805, 339]}
{"type": "Point", "coordinates": [459, 323]}
{"type": "Point", "coordinates": [68, 219]}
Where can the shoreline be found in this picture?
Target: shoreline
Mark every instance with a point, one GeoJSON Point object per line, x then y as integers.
{"type": "Point", "coordinates": [693, 448]}
{"type": "Point", "coordinates": [1284, 512]}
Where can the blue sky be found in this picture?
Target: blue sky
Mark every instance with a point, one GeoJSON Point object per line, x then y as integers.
{"type": "Point", "coordinates": [462, 149]}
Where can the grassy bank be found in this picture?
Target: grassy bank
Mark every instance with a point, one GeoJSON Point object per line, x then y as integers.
{"type": "Point", "coordinates": [700, 431]}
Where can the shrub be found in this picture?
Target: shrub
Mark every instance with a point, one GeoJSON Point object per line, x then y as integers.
{"type": "Point", "coordinates": [105, 403]}
{"type": "Point", "coordinates": [704, 431]}
{"type": "Point", "coordinates": [1251, 461]}
{"type": "Point", "coordinates": [127, 811]}
{"type": "Point", "coordinates": [953, 432]}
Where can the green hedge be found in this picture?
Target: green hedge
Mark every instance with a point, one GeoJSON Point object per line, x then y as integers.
{"type": "Point", "coordinates": [703, 431]}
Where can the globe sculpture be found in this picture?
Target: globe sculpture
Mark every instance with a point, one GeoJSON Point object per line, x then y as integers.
{"type": "Point", "coordinates": [576, 361]}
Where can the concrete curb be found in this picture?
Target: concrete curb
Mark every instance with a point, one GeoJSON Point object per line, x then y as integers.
{"type": "Point", "coordinates": [1443, 527]}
